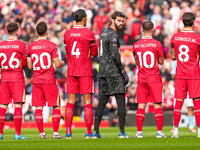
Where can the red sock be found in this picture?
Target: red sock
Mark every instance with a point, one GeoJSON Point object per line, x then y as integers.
{"type": "Point", "coordinates": [18, 120]}
{"type": "Point", "coordinates": [2, 119]}
{"type": "Point", "coordinates": [159, 118]}
{"type": "Point", "coordinates": [140, 118]}
{"type": "Point", "coordinates": [56, 119]}
{"type": "Point", "coordinates": [39, 120]}
{"type": "Point", "coordinates": [197, 111]}
{"type": "Point", "coordinates": [177, 112]}
{"type": "Point", "coordinates": [88, 115]}
{"type": "Point", "coordinates": [69, 113]}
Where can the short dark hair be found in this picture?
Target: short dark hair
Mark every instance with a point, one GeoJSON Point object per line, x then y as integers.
{"type": "Point", "coordinates": [12, 28]}
{"type": "Point", "coordinates": [147, 25]}
{"type": "Point", "coordinates": [188, 19]}
{"type": "Point", "coordinates": [117, 14]}
{"type": "Point", "coordinates": [41, 28]}
{"type": "Point", "coordinates": [79, 15]}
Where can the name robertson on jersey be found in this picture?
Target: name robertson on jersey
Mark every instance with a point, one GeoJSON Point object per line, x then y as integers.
{"type": "Point", "coordinates": [145, 45]}
{"type": "Point", "coordinates": [185, 39]}
{"type": "Point", "coordinates": [75, 34]}
{"type": "Point", "coordinates": [8, 46]}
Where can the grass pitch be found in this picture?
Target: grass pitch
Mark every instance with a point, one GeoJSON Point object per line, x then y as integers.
{"type": "Point", "coordinates": [186, 140]}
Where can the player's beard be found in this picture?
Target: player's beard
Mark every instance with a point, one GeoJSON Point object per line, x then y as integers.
{"type": "Point", "coordinates": [118, 27]}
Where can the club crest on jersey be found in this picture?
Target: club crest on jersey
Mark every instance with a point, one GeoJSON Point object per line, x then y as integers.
{"type": "Point", "coordinates": [114, 40]}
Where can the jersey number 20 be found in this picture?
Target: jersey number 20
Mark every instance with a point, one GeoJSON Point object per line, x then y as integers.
{"type": "Point", "coordinates": [41, 60]}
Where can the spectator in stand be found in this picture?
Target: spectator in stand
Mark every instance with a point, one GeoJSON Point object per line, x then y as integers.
{"type": "Point", "coordinates": [197, 20]}
{"type": "Point", "coordinates": [135, 30]}
{"type": "Point", "coordinates": [100, 20]}
{"type": "Point", "coordinates": [168, 101]}
{"type": "Point", "coordinates": [175, 10]}
{"type": "Point", "coordinates": [156, 18]}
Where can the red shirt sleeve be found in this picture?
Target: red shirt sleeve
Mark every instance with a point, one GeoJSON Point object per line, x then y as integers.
{"type": "Point", "coordinates": [54, 52]}
{"type": "Point", "coordinates": [198, 40]}
{"type": "Point", "coordinates": [92, 39]}
{"type": "Point", "coordinates": [160, 50]}
{"type": "Point", "coordinates": [28, 51]}
{"type": "Point", "coordinates": [133, 50]}
{"type": "Point", "coordinates": [24, 58]}
{"type": "Point", "coordinates": [93, 45]}
{"type": "Point", "coordinates": [172, 42]}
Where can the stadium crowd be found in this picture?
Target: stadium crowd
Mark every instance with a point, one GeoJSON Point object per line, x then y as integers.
{"type": "Point", "coordinates": [166, 16]}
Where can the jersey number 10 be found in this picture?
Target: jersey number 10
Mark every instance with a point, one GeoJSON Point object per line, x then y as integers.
{"type": "Point", "coordinates": [144, 62]}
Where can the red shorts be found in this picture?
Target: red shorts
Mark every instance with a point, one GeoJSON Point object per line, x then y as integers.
{"type": "Point", "coordinates": [82, 85]}
{"type": "Point", "coordinates": [184, 85]}
{"type": "Point", "coordinates": [12, 91]}
{"type": "Point", "coordinates": [43, 93]}
{"type": "Point", "coordinates": [149, 92]}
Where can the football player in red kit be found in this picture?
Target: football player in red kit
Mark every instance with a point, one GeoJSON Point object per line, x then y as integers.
{"type": "Point", "coordinates": [12, 59]}
{"type": "Point", "coordinates": [185, 49]}
{"type": "Point", "coordinates": [80, 45]}
{"type": "Point", "coordinates": [41, 55]}
{"type": "Point", "coordinates": [148, 54]}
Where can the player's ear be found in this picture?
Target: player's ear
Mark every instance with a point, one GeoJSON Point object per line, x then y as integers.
{"type": "Point", "coordinates": [152, 30]}
{"type": "Point", "coordinates": [113, 21]}
{"type": "Point", "coordinates": [142, 30]}
{"type": "Point", "coordinates": [47, 32]}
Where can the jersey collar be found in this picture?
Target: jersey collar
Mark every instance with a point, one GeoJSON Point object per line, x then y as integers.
{"type": "Point", "coordinates": [146, 37]}
{"type": "Point", "coordinates": [11, 39]}
{"type": "Point", "coordinates": [78, 26]}
{"type": "Point", "coordinates": [41, 39]}
{"type": "Point", "coordinates": [187, 30]}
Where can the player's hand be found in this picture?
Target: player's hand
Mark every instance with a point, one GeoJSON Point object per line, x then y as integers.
{"type": "Point", "coordinates": [62, 63]}
{"type": "Point", "coordinates": [125, 76]}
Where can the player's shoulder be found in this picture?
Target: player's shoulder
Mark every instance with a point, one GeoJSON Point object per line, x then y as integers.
{"type": "Point", "coordinates": [50, 44]}
{"type": "Point", "coordinates": [89, 31]}
{"type": "Point", "coordinates": [67, 32]}
{"type": "Point", "coordinates": [138, 42]}
{"type": "Point", "coordinates": [2, 43]}
{"type": "Point", "coordinates": [21, 43]}
{"type": "Point", "coordinates": [176, 35]}
{"type": "Point", "coordinates": [156, 41]}
{"type": "Point", "coordinates": [196, 35]}
{"type": "Point", "coordinates": [111, 33]}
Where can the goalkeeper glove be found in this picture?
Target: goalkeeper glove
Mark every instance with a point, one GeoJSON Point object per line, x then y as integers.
{"type": "Point", "coordinates": [125, 76]}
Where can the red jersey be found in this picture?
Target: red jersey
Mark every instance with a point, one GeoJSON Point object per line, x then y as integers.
{"type": "Point", "coordinates": [12, 54]}
{"type": "Point", "coordinates": [78, 42]}
{"type": "Point", "coordinates": [100, 21]}
{"type": "Point", "coordinates": [147, 51]}
{"type": "Point", "coordinates": [186, 45]}
{"type": "Point", "coordinates": [42, 52]}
